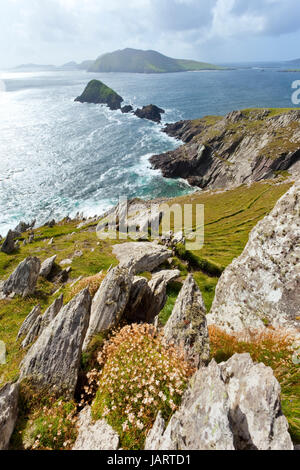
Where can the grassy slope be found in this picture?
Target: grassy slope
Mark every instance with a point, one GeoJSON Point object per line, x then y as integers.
{"type": "Point", "coordinates": [229, 217]}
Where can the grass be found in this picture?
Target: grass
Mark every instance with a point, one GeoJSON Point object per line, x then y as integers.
{"type": "Point", "coordinates": [273, 348]}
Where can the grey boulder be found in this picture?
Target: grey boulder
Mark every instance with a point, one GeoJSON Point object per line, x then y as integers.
{"type": "Point", "coordinates": [187, 326]}
{"type": "Point", "coordinates": [95, 436]}
{"type": "Point", "coordinates": [47, 266]}
{"type": "Point", "coordinates": [23, 280]}
{"type": "Point", "coordinates": [109, 302]}
{"type": "Point", "coordinates": [9, 395]}
{"type": "Point", "coordinates": [141, 256]}
{"type": "Point", "coordinates": [29, 321]}
{"type": "Point", "coordinates": [8, 245]}
{"type": "Point", "coordinates": [52, 363]}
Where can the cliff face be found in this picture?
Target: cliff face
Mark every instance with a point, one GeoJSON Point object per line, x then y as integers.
{"type": "Point", "coordinates": [242, 147]}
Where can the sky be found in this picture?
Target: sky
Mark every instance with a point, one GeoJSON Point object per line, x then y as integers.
{"type": "Point", "coordinates": [217, 31]}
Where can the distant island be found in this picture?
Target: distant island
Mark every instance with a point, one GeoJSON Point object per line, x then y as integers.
{"type": "Point", "coordinates": [295, 62]}
{"type": "Point", "coordinates": [138, 61]}
{"type": "Point", "coordinates": [129, 61]}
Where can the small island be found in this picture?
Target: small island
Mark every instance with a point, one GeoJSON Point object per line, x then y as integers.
{"type": "Point", "coordinates": [151, 112]}
{"type": "Point", "coordinates": [97, 92]}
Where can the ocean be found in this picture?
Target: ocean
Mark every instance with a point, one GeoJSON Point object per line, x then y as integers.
{"type": "Point", "coordinates": [58, 157]}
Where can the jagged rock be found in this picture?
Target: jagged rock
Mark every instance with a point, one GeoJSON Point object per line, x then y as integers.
{"type": "Point", "coordinates": [65, 262]}
{"type": "Point", "coordinates": [29, 321]}
{"type": "Point", "coordinates": [9, 395]}
{"type": "Point", "coordinates": [127, 109]}
{"type": "Point", "coordinates": [47, 266]}
{"type": "Point", "coordinates": [23, 227]}
{"type": "Point", "coordinates": [262, 286]}
{"type": "Point", "coordinates": [151, 112]}
{"type": "Point", "coordinates": [234, 405]}
{"type": "Point", "coordinates": [141, 256]}
{"type": "Point", "coordinates": [255, 410]}
{"type": "Point", "coordinates": [109, 302]}
{"type": "Point", "coordinates": [223, 152]}
{"type": "Point", "coordinates": [187, 327]}
{"type": "Point", "coordinates": [147, 299]}
{"type": "Point", "coordinates": [2, 353]}
{"type": "Point", "coordinates": [134, 217]}
{"type": "Point", "coordinates": [51, 241]}
{"type": "Point", "coordinates": [95, 436]}
{"type": "Point", "coordinates": [63, 276]}
{"type": "Point", "coordinates": [53, 361]}
{"type": "Point", "coordinates": [32, 333]}
{"type": "Point", "coordinates": [23, 280]}
{"type": "Point", "coordinates": [31, 238]}
{"type": "Point", "coordinates": [8, 245]}
{"type": "Point", "coordinates": [52, 312]}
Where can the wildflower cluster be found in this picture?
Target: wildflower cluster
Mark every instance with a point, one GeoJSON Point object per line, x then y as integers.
{"type": "Point", "coordinates": [139, 377]}
{"type": "Point", "coordinates": [54, 428]}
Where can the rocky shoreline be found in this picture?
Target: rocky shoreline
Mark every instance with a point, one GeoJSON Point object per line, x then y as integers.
{"type": "Point", "coordinates": [242, 147]}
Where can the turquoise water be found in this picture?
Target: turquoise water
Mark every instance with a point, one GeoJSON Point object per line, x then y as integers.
{"type": "Point", "coordinates": [58, 157]}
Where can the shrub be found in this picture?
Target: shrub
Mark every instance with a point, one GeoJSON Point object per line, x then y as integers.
{"type": "Point", "coordinates": [139, 377]}
{"type": "Point", "coordinates": [92, 282]}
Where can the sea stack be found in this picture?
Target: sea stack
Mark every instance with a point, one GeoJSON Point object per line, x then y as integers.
{"type": "Point", "coordinates": [97, 92]}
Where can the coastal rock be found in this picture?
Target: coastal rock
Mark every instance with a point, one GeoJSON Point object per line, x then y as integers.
{"type": "Point", "coordinates": [127, 109]}
{"type": "Point", "coordinates": [98, 93]}
{"type": "Point", "coordinates": [53, 361]}
{"type": "Point", "coordinates": [9, 395]}
{"type": "Point", "coordinates": [95, 436]}
{"type": "Point", "coordinates": [262, 286]}
{"type": "Point", "coordinates": [239, 148]}
{"type": "Point", "coordinates": [32, 333]}
{"type": "Point", "coordinates": [8, 245]}
{"type": "Point", "coordinates": [29, 321]}
{"type": "Point", "coordinates": [23, 227]}
{"type": "Point", "coordinates": [234, 405]}
{"type": "Point", "coordinates": [147, 299]}
{"type": "Point", "coordinates": [187, 326]}
{"type": "Point", "coordinates": [23, 280]}
{"type": "Point", "coordinates": [151, 112]}
{"type": "Point", "coordinates": [47, 266]}
{"type": "Point", "coordinates": [51, 312]}
{"type": "Point", "coordinates": [2, 353]}
{"type": "Point", "coordinates": [141, 256]}
{"type": "Point", "coordinates": [255, 410]}
{"type": "Point", "coordinates": [109, 302]}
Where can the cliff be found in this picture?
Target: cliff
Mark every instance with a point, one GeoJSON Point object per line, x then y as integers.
{"type": "Point", "coordinates": [242, 147]}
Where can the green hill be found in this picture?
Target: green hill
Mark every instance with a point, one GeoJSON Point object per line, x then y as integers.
{"type": "Point", "coordinates": [138, 61]}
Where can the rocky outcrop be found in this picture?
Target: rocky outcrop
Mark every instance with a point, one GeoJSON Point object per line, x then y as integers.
{"type": "Point", "coordinates": [9, 396]}
{"type": "Point", "coordinates": [97, 92]}
{"type": "Point", "coordinates": [147, 299]}
{"type": "Point", "coordinates": [52, 312]}
{"type": "Point", "coordinates": [234, 405]}
{"type": "Point", "coordinates": [109, 302]}
{"type": "Point", "coordinates": [141, 256]}
{"type": "Point", "coordinates": [95, 436]}
{"type": "Point", "coordinates": [262, 286]}
{"type": "Point", "coordinates": [47, 266]}
{"type": "Point", "coordinates": [29, 321]}
{"type": "Point", "coordinates": [127, 109]}
{"type": "Point", "coordinates": [9, 245]}
{"type": "Point", "coordinates": [187, 326]}
{"type": "Point", "coordinates": [53, 361]}
{"type": "Point", "coordinates": [24, 227]}
{"type": "Point", "coordinates": [32, 333]}
{"type": "Point", "coordinates": [151, 112]}
{"type": "Point", "coordinates": [23, 280]}
{"type": "Point", "coordinates": [242, 147]}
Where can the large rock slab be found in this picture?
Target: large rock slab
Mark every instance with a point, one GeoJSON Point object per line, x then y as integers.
{"type": "Point", "coordinates": [32, 333]}
{"type": "Point", "coordinates": [262, 286]}
{"type": "Point", "coordinates": [234, 405]}
{"type": "Point", "coordinates": [29, 321]}
{"type": "Point", "coordinates": [53, 361]}
{"type": "Point", "coordinates": [8, 245]}
{"type": "Point", "coordinates": [141, 256]}
{"type": "Point", "coordinates": [23, 280]}
{"type": "Point", "coordinates": [47, 266]}
{"type": "Point", "coordinates": [109, 302]}
{"type": "Point", "coordinates": [52, 312]}
{"type": "Point", "coordinates": [9, 395]}
{"type": "Point", "coordinates": [95, 436]}
{"type": "Point", "coordinates": [187, 326]}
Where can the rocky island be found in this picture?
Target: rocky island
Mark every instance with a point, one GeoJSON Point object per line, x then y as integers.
{"type": "Point", "coordinates": [151, 112]}
{"type": "Point", "coordinates": [242, 147]}
{"type": "Point", "coordinates": [97, 92]}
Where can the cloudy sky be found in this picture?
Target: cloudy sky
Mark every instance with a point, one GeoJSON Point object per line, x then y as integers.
{"type": "Point", "coordinates": [57, 31]}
